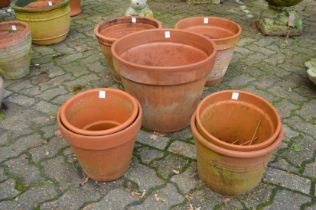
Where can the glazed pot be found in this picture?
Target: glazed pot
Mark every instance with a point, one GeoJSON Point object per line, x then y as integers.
{"type": "Point", "coordinates": [225, 33]}
{"type": "Point", "coordinates": [238, 120]}
{"type": "Point", "coordinates": [231, 172]}
{"type": "Point", "coordinates": [104, 158]}
{"type": "Point", "coordinates": [109, 31]}
{"type": "Point", "coordinates": [49, 24]}
{"type": "Point", "coordinates": [75, 7]}
{"type": "Point", "coordinates": [1, 91]}
{"type": "Point", "coordinates": [4, 3]}
{"type": "Point", "coordinates": [98, 112]}
{"type": "Point", "coordinates": [15, 49]}
{"type": "Point", "coordinates": [166, 71]}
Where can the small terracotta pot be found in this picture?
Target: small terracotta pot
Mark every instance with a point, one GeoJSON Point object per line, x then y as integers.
{"type": "Point", "coordinates": [4, 3]}
{"type": "Point", "coordinates": [88, 113]}
{"type": "Point", "coordinates": [75, 7]}
{"type": "Point", "coordinates": [1, 91]}
{"type": "Point", "coordinates": [15, 49]}
{"type": "Point", "coordinates": [104, 158]}
{"type": "Point", "coordinates": [231, 172]}
{"type": "Point", "coordinates": [49, 24]}
{"type": "Point", "coordinates": [226, 35]}
{"type": "Point", "coordinates": [245, 123]}
{"type": "Point", "coordinates": [109, 31]}
{"type": "Point", "coordinates": [166, 71]}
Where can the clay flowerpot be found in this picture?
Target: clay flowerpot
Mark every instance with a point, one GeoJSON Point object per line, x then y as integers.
{"type": "Point", "coordinates": [4, 3]}
{"type": "Point", "coordinates": [49, 23]}
{"type": "Point", "coordinates": [231, 172]}
{"type": "Point", "coordinates": [75, 7]}
{"type": "Point", "coordinates": [15, 49]}
{"type": "Point", "coordinates": [105, 157]}
{"type": "Point", "coordinates": [225, 33]}
{"type": "Point", "coordinates": [238, 120]}
{"type": "Point", "coordinates": [89, 113]}
{"type": "Point", "coordinates": [1, 91]}
{"type": "Point", "coordinates": [110, 31]}
{"type": "Point", "coordinates": [166, 71]}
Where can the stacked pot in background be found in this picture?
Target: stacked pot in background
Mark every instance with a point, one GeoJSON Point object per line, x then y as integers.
{"type": "Point", "coordinates": [15, 48]}
{"type": "Point", "coordinates": [101, 126]}
{"type": "Point", "coordinates": [236, 133]}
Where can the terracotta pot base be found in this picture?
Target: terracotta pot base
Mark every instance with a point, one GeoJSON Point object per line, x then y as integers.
{"type": "Point", "coordinates": [75, 7]}
{"type": "Point", "coordinates": [210, 83]}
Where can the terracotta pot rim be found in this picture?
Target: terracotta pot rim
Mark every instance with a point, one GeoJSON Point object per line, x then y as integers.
{"type": "Point", "coordinates": [162, 68]}
{"type": "Point", "coordinates": [124, 19]}
{"type": "Point", "coordinates": [239, 147]}
{"type": "Point", "coordinates": [232, 153]}
{"type": "Point", "coordinates": [118, 128]}
{"type": "Point", "coordinates": [62, 3]}
{"type": "Point", "coordinates": [19, 34]}
{"type": "Point", "coordinates": [96, 139]}
{"type": "Point", "coordinates": [236, 35]}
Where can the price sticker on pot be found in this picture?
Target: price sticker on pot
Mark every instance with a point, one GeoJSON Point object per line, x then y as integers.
{"type": "Point", "coordinates": [50, 3]}
{"type": "Point", "coordinates": [205, 20]}
{"type": "Point", "coordinates": [13, 27]}
{"type": "Point", "coordinates": [134, 20]}
{"type": "Point", "coordinates": [102, 94]}
{"type": "Point", "coordinates": [167, 34]}
{"type": "Point", "coordinates": [235, 96]}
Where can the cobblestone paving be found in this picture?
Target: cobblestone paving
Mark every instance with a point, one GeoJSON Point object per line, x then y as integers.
{"type": "Point", "coordinates": [39, 171]}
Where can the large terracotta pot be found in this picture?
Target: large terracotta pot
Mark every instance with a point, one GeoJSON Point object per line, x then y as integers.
{"type": "Point", "coordinates": [4, 3]}
{"type": "Point", "coordinates": [75, 7]}
{"type": "Point", "coordinates": [107, 157]}
{"type": "Point", "coordinates": [49, 24]}
{"type": "Point", "coordinates": [1, 91]}
{"type": "Point", "coordinates": [109, 31]}
{"type": "Point", "coordinates": [231, 172]}
{"type": "Point", "coordinates": [225, 33]}
{"type": "Point", "coordinates": [238, 120]}
{"type": "Point", "coordinates": [166, 71]}
{"type": "Point", "coordinates": [15, 49]}
{"type": "Point", "coordinates": [99, 112]}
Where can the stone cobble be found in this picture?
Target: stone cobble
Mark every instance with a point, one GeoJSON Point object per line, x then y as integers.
{"type": "Point", "coordinates": [38, 170]}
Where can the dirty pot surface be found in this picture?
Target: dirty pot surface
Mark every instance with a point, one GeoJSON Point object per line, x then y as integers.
{"type": "Point", "coordinates": [231, 172]}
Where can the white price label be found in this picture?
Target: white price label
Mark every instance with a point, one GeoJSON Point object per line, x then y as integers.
{"type": "Point", "coordinates": [167, 34]}
{"type": "Point", "coordinates": [102, 94]}
{"type": "Point", "coordinates": [205, 20]}
{"type": "Point", "coordinates": [50, 3]}
{"type": "Point", "coordinates": [13, 27]}
{"type": "Point", "coordinates": [235, 96]}
{"type": "Point", "coordinates": [134, 20]}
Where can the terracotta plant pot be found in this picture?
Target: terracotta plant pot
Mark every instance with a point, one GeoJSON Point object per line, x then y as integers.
{"type": "Point", "coordinates": [75, 7]}
{"type": "Point", "coordinates": [226, 35]}
{"type": "Point", "coordinates": [106, 157]}
{"type": "Point", "coordinates": [110, 31]}
{"type": "Point", "coordinates": [49, 24]}
{"type": "Point", "coordinates": [1, 91]}
{"type": "Point", "coordinates": [238, 120]}
{"type": "Point", "coordinates": [231, 172]}
{"type": "Point", "coordinates": [166, 71]}
{"type": "Point", "coordinates": [4, 3]}
{"type": "Point", "coordinates": [88, 114]}
{"type": "Point", "coordinates": [15, 49]}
